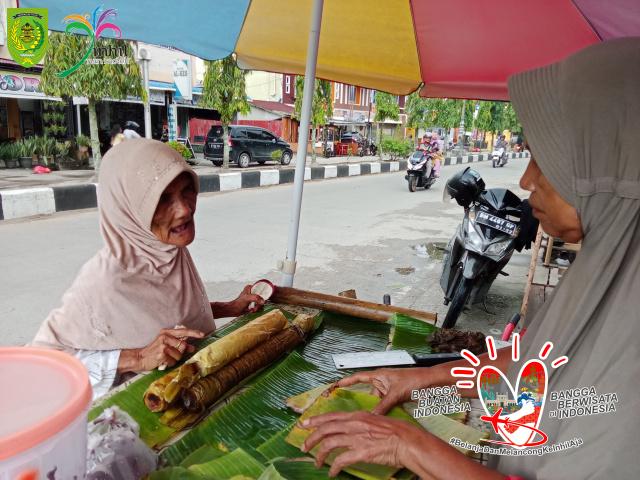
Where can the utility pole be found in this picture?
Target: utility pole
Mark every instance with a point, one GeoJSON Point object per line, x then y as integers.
{"type": "Point", "coordinates": [144, 57]}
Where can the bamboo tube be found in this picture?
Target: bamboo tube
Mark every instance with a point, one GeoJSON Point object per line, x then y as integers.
{"type": "Point", "coordinates": [345, 306]}
{"type": "Point", "coordinates": [209, 389]}
{"type": "Point", "coordinates": [213, 357]}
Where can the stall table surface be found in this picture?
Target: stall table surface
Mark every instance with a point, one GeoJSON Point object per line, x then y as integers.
{"type": "Point", "coordinates": [252, 421]}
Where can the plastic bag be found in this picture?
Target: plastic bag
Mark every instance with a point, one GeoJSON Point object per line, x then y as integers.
{"type": "Point", "coordinates": [41, 169]}
{"type": "Point", "coordinates": [115, 451]}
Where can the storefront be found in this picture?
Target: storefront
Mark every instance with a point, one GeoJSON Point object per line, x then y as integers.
{"type": "Point", "coordinates": [193, 121]}
{"type": "Point", "coordinates": [20, 105]}
{"type": "Point", "coordinates": [112, 112]}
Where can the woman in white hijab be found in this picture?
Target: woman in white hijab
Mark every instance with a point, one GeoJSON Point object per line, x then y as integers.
{"type": "Point", "coordinates": [120, 314]}
{"type": "Point", "coordinates": [582, 120]}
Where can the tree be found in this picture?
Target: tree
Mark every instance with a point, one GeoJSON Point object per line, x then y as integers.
{"type": "Point", "coordinates": [321, 107]}
{"type": "Point", "coordinates": [436, 112]}
{"type": "Point", "coordinates": [510, 119]}
{"type": "Point", "coordinates": [224, 90]}
{"type": "Point", "coordinates": [94, 81]}
{"type": "Point", "coordinates": [386, 109]}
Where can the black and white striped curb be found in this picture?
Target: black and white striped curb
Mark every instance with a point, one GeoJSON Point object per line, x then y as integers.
{"type": "Point", "coordinates": [30, 202]}
{"type": "Point", "coordinates": [479, 158]}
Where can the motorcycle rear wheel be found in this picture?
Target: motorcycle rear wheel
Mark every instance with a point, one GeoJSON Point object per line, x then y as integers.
{"type": "Point", "coordinates": [413, 182]}
{"type": "Point", "coordinates": [459, 300]}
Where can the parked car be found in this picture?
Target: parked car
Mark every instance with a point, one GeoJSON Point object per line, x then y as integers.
{"type": "Point", "coordinates": [246, 144]}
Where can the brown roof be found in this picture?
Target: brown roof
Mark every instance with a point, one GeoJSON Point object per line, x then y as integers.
{"type": "Point", "coordinates": [273, 106]}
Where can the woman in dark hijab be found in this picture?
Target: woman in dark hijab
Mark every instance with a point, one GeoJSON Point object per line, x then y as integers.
{"type": "Point", "coordinates": [581, 118]}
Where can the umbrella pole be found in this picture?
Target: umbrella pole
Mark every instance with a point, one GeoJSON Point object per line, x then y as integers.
{"type": "Point", "coordinates": [288, 266]}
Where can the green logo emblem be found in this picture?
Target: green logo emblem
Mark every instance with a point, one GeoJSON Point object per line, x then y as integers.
{"type": "Point", "coordinates": [27, 34]}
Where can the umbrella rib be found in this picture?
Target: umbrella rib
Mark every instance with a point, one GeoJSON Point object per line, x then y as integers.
{"type": "Point", "coordinates": [586, 19]}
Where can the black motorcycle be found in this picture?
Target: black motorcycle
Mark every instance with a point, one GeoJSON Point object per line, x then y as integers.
{"type": "Point", "coordinates": [496, 222]}
{"type": "Point", "coordinates": [420, 171]}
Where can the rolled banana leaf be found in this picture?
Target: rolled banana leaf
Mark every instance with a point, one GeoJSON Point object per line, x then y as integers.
{"type": "Point", "coordinates": [207, 390]}
{"type": "Point", "coordinates": [341, 400]}
{"type": "Point", "coordinates": [217, 354]}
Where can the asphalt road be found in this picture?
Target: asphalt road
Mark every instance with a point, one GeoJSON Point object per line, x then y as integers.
{"type": "Point", "coordinates": [368, 233]}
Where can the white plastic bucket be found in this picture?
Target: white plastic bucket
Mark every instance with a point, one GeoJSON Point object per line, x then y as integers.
{"type": "Point", "coordinates": [43, 415]}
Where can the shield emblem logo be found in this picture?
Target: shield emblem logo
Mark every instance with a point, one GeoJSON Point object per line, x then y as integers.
{"type": "Point", "coordinates": [27, 34]}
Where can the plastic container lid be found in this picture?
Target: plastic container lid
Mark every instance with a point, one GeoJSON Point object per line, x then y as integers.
{"type": "Point", "coordinates": [42, 392]}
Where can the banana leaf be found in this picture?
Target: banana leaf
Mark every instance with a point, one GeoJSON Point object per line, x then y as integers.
{"type": "Point", "coordinates": [259, 412]}
{"type": "Point", "coordinates": [235, 463]}
{"type": "Point", "coordinates": [445, 428]}
{"type": "Point", "coordinates": [205, 453]}
{"type": "Point", "coordinates": [298, 470]}
{"type": "Point", "coordinates": [410, 334]}
{"type": "Point", "coordinates": [341, 400]}
{"type": "Point", "coordinates": [226, 467]}
{"type": "Point", "coordinates": [277, 447]}
{"type": "Point", "coordinates": [174, 473]}
{"type": "Point", "coordinates": [300, 403]}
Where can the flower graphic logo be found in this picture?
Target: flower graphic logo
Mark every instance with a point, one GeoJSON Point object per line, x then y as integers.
{"type": "Point", "coordinates": [94, 29]}
{"type": "Point", "coordinates": [513, 412]}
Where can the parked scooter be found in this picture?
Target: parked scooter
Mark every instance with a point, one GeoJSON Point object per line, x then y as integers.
{"type": "Point", "coordinates": [483, 242]}
{"type": "Point", "coordinates": [499, 157]}
{"type": "Point", "coordinates": [420, 171]}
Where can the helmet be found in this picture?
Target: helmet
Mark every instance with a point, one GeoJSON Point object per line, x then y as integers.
{"type": "Point", "coordinates": [131, 125]}
{"type": "Point", "coordinates": [465, 186]}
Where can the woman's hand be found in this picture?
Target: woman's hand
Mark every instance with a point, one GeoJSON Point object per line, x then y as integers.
{"type": "Point", "coordinates": [166, 349]}
{"type": "Point", "coordinates": [366, 437]}
{"type": "Point", "coordinates": [239, 306]}
{"type": "Point", "coordinates": [370, 438]}
{"type": "Point", "coordinates": [392, 385]}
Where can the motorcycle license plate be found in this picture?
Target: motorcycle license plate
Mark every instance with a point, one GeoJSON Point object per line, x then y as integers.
{"type": "Point", "coordinates": [214, 146]}
{"type": "Point", "coordinates": [496, 223]}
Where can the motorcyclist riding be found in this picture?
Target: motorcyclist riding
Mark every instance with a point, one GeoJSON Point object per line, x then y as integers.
{"type": "Point", "coordinates": [502, 143]}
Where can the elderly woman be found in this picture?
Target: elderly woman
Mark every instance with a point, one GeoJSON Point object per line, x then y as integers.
{"type": "Point", "coordinates": [582, 188]}
{"type": "Point", "coordinates": [134, 306]}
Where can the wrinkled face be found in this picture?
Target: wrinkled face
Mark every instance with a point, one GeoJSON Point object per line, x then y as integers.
{"type": "Point", "coordinates": [557, 217]}
{"type": "Point", "coordinates": [173, 220]}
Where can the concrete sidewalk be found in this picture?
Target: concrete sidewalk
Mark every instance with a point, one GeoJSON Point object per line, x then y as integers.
{"type": "Point", "coordinates": [25, 194]}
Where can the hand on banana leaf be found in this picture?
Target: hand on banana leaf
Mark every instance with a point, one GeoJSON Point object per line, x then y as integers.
{"type": "Point", "coordinates": [366, 438]}
{"type": "Point", "coordinates": [392, 385]}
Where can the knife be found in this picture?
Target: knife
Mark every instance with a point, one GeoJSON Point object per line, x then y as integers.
{"type": "Point", "coordinates": [390, 358]}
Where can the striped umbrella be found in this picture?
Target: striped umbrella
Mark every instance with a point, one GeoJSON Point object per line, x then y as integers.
{"type": "Point", "coordinates": [452, 48]}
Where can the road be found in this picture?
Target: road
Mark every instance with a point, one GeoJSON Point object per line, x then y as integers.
{"type": "Point", "coordinates": [368, 233]}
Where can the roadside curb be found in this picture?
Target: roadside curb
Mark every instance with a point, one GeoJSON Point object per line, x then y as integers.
{"type": "Point", "coordinates": [29, 202]}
